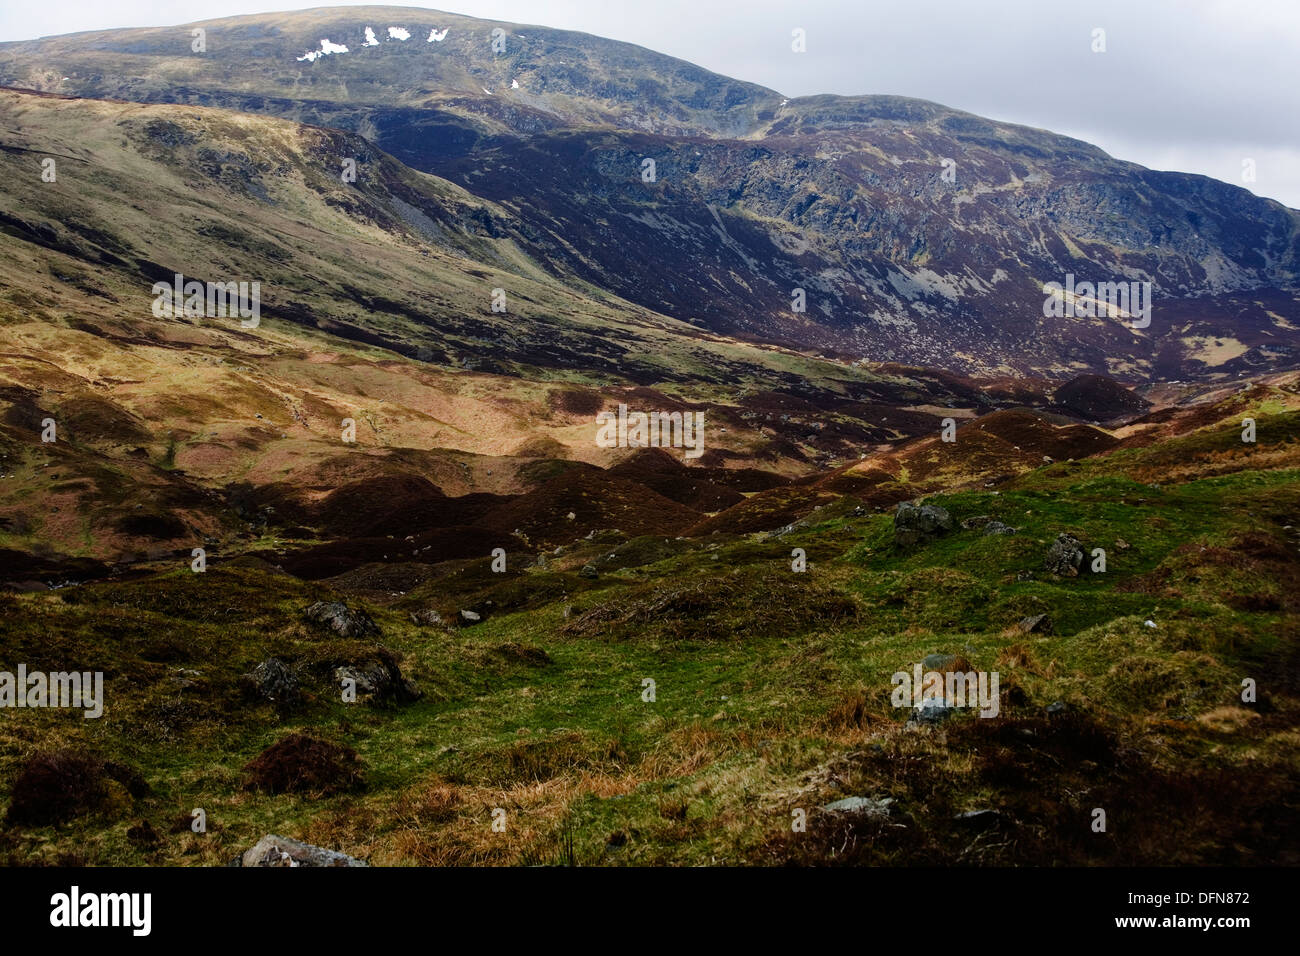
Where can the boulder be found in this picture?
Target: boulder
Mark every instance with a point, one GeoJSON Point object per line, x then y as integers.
{"type": "Point", "coordinates": [868, 806]}
{"type": "Point", "coordinates": [274, 850]}
{"type": "Point", "coordinates": [931, 711]}
{"type": "Point", "coordinates": [920, 524]}
{"type": "Point", "coordinates": [380, 680]}
{"type": "Point", "coordinates": [1065, 557]}
{"type": "Point", "coordinates": [588, 571]}
{"type": "Point", "coordinates": [978, 819]}
{"type": "Point", "coordinates": [997, 527]}
{"type": "Point", "coordinates": [427, 617]}
{"type": "Point", "coordinates": [469, 617]}
{"type": "Point", "coordinates": [1035, 624]}
{"type": "Point", "coordinates": [276, 681]}
{"type": "Point", "coordinates": [342, 620]}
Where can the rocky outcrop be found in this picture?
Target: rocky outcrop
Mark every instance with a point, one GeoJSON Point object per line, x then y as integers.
{"type": "Point", "coordinates": [1065, 556]}
{"type": "Point", "coordinates": [342, 620]}
{"type": "Point", "coordinates": [915, 525]}
{"type": "Point", "coordinates": [273, 850]}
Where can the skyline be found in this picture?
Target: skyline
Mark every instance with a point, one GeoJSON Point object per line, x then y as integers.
{"type": "Point", "coordinates": [1139, 101]}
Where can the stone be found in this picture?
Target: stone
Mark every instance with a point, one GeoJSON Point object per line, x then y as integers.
{"type": "Point", "coordinates": [469, 617]}
{"type": "Point", "coordinates": [997, 527]}
{"type": "Point", "coordinates": [380, 680]}
{"type": "Point", "coordinates": [1035, 624]}
{"type": "Point", "coordinates": [1065, 556]}
{"type": "Point", "coordinates": [588, 571]}
{"type": "Point", "coordinates": [341, 619]}
{"type": "Point", "coordinates": [273, 850]}
{"type": "Point", "coordinates": [428, 617]}
{"type": "Point", "coordinates": [915, 524]}
{"type": "Point", "coordinates": [868, 806]}
{"type": "Point", "coordinates": [276, 681]}
{"type": "Point", "coordinates": [931, 711]}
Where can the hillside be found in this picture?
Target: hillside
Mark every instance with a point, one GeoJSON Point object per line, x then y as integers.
{"type": "Point", "coordinates": [387, 558]}
{"type": "Point", "coordinates": [755, 195]}
{"type": "Point", "coordinates": [1119, 690]}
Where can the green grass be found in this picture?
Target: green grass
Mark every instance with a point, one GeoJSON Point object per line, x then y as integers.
{"type": "Point", "coordinates": [772, 692]}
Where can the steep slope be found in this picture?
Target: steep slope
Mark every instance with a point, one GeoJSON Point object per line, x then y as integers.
{"type": "Point", "coordinates": [918, 233]}
{"type": "Point", "coordinates": [375, 306]}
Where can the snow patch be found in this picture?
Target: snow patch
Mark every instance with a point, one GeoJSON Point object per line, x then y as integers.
{"type": "Point", "coordinates": [399, 33]}
{"type": "Point", "coordinates": [436, 37]}
{"type": "Point", "coordinates": [370, 38]}
{"type": "Point", "coordinates": [326, 48]}
{"type": "Point", "coordinates": [514, 84]}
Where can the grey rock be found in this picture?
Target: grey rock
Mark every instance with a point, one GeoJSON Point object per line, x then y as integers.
{"type": "Point", "coordinates": [428, 617]}
{"type": "Point", "coordinates": [915, 525]}
{"type": "Point", "coordinates": [469, 617]}
{"type": "Point", "coordinates": [341, 619]}
{"type": "Point", "coordinates": [273, 850]}
{"type": "Point", "coordinates": [868, 806]}
{"type": "Point", "coordinates": [380, 680]}
{"type": "Point", "coordinates": [588, 571]}
{"type": "Point", "coordinates": [1056, 707]}
{"type": "Point", "coordinates": [274, 680]}
{"type": "Point", "coordinates": [997, 527]}
{"type": "Point", "coordinates": [1065, 556]}
{"type": "Point", "coordinates": [931, 711]}
{"type": "Point", "coordinates": [1036, 624]}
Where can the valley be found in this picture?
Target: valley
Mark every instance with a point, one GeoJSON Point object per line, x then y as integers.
{"type": "Point", "coordinates": [539, 527]}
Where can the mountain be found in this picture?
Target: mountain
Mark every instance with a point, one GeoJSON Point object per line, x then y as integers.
{"type": "Point", "coordinates": [392, 472]}
{"type": "Point", "coordinates": [754, 194]}
{"type": "Point", "coordinates": [375, 306]}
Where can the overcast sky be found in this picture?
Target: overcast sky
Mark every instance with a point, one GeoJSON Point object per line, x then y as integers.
{"type": "Point", "coordinates": [1192, 85]}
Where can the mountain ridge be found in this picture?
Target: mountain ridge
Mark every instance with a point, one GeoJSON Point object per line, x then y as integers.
{"type": "Point", "coordinates": [919, 234]}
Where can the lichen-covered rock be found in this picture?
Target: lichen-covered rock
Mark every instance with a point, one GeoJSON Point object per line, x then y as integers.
{"type": "Point", "coordinates": [273, 850]}
{"type": "Point", "coordinates": [341, 619]}
{"type": "Point", "coordinates": [380, 680]}
{"type": "Point", "coordinates": [915, 524]}
{"type": "Point", "coordinates": [1035, 624]}
{"type": "Point", "coordinates": [274, 680]}
{"type": "Point", "coordinates": [1065, 556]}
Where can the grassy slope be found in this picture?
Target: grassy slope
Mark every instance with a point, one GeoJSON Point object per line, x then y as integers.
{"type": "Point", "coordinates": [772, 691]}
{"type": "Point", "coordinates": [354, 286]}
